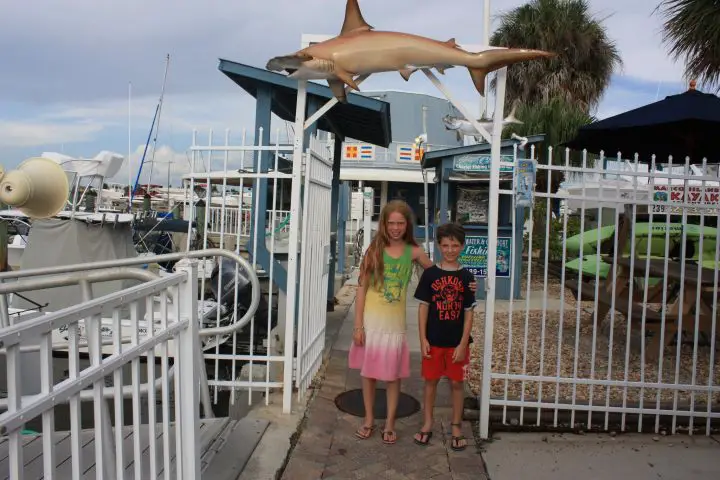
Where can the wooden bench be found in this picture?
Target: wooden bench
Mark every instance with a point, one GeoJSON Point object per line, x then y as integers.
{"type": "Point", "coordinates": [633, 310]}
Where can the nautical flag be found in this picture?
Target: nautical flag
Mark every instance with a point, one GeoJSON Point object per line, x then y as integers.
{"type": "Point", "coordinates": [405, 153]}
{"type": "Point", "coordinates": [350, 152]}
{"type": "Point", "coordinates": [367, 152]}
{"type": "Point", "coordinates": [418, 153]}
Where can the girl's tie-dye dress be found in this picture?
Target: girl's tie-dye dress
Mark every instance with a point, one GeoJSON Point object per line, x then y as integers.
{"type": "Point", "coordinates": [385, 355]}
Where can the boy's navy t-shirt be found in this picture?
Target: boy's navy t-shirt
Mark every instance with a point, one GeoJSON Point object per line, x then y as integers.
{"type": "Point", "coordinates": [448, 295]}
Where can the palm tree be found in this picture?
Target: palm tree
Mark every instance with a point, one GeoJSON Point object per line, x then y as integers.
{"type": "Point", "coordinates": [558, 119]}
{"type": "Point", "coordinates": [586, 56]}
{"type": "Point", "coordinates": [692, 29]}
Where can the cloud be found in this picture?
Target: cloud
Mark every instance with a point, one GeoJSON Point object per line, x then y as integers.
{"type": "Point", "coordinates": [65, 81]}
{"type": "Point", "coordinates": [33, 133]}
{"type": "Point", "coordinates": [155, 168]}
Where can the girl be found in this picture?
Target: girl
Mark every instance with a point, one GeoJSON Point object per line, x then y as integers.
{"type": "Point", "coordinates": [379, 348]}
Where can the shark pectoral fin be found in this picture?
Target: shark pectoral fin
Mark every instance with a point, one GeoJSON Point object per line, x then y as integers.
{"type": "Point", "coordinates": [338, 90]}
{"type": "Point", "coordinates": [354, 21]}
{"type": "Point", "coordinates": [478, 76]}
{"type": "Point", "coordinates": [346, 77]}
{"type": "Point", "coordinates": [406, 72]}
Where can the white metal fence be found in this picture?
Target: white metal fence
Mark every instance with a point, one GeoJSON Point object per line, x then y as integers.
{"type": "Point", "coordinates": [174, 443]}
{"type": "Point", "coordinates": [616, 328]}
{"type": "Point", "coordinates": [268, 353]}
{"type": "Point", "coordinates": [315, 264]}
{"type": "Point", "coordinates": [251, 359]}
{"type": "Point", "coordinates": [236, 221]}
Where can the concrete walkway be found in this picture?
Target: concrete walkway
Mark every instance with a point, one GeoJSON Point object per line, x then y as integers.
{"type": "Point", "coordinates": [327, 448]}
{"type": "Point", "coordinates": [602, 457]}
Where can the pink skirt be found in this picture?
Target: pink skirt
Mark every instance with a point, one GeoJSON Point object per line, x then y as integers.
{"type": "Point", "coordinates": [385, 356]}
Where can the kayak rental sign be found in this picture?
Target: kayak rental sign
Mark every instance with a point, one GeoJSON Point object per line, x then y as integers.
{"type": "Point", "coordinates": [694, 199]}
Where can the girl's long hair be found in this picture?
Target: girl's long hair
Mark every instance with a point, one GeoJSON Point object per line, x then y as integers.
{"type": "Point", "coordinates": [372, 266]}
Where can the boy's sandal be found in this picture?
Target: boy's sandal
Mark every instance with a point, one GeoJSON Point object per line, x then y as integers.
{"type": "Point", "coordinates": [424, 438]}
{"type": "Point", "coordinates": [389, 437]}
{"type": "Point", "coordinates": [364, 432]}
{"type": "Point", "coordinates": [455, 443]}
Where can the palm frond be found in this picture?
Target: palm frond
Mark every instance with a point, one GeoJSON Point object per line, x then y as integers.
{"type": "Point", "coordinates": [586, 57]}
{"type": "Point", "coordinates": [692, 30]}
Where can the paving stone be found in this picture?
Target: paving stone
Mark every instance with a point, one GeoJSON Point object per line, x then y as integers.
{"type": "Point", "coordinates": [328, 449]}
{"type": "Point", "coordinates": [301, 469]}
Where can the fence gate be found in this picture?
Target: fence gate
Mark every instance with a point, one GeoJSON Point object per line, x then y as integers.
{"type": "Point", "coordinates": [614, 324]}
{"type": "Point", "coordinates": [314, 263]}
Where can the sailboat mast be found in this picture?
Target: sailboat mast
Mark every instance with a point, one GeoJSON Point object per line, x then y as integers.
{"type": "Point", "coordinates": [157, 127]}
{"type": "Point", "coordinates": [152, 127]}
{"type": "Point", "coordinates": [129, 157]}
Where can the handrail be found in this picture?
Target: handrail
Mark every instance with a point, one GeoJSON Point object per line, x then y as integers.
{"type": "Point", "coordinates": [127, 262]}
{"type": "Point", "coordinates": [117, 273]}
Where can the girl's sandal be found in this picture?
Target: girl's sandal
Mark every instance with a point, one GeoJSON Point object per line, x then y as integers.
{"type": "Point", "coordinates": [424, 438]}
{"type": "Point", "coordinates": [455, 443]}
{"type": "Point", "coordinates": [389, 437]}
{"type": "Point", "coordinates": [364, 432]}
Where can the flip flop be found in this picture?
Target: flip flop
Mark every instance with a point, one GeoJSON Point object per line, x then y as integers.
{"type": "Point", "coordinates": [424, 438]}
{"type": "Point", "coordinates": [364, 432]}
{"type": "Point", "coordinates": [388, 434]}
{"type": "Point", "coordinates": [455, 441]}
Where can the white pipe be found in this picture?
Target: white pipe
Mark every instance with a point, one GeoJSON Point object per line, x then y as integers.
{"type": "Point", "coordinates": [485, 42]}
{"type": "Point", "coordinates": [492, 250]}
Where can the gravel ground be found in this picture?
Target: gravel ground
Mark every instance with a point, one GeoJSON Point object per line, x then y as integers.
{"type": "Point", "coordinates": [559, 347]}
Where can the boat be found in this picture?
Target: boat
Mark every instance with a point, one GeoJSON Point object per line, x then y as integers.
{"type": "Point", "coordinates": [614, 184]}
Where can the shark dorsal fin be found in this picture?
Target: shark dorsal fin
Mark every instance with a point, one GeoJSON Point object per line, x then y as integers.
{"type": "Point", "coordinates": [452, 43]}
{"type": "Point", "coordinates": [354, 21]}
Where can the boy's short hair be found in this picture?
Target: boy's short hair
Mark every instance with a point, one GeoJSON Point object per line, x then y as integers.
{"type": "Point", "coordinates": [450, 230]}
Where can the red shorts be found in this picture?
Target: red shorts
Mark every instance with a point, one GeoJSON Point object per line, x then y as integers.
{"type": "Point", "coordinates": [440, 364]}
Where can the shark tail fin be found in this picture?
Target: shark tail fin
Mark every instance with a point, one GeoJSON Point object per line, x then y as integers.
{"type": "Point", "coordinates": [478, 76]}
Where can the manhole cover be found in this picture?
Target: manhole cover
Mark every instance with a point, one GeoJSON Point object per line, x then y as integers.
{"type": "Point", "coordinates": [351, 402]}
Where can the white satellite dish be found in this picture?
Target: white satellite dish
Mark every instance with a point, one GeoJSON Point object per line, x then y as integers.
{"type": "Point", "coordinates": [38, 188]}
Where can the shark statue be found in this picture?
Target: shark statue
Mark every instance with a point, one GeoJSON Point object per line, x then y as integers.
{"type": "Point", "coordinates": [463, 127]}
{"type": "Point", "coordinates": [360, 50]}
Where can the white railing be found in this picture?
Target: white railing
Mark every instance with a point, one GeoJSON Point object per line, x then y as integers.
{"type": "Point", "coordinates": [238, 221]}
{"type": "Point", "coordinates": [258, 358]}
{"type": "Point", "coordinates": [611, 320]}
{"type": "Point", "coordinates": [314, 266]}
{"type": "Point", "coordinates": [178, 402]}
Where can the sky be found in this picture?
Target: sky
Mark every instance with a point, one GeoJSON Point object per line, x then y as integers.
{"type": "Point", "coordinates": [64, 82]}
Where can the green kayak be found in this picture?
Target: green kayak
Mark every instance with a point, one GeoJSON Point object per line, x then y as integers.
{"type": "Point", "coordinates": [589, 240]}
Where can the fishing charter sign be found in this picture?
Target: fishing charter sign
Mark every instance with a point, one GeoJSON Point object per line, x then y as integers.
{"type": "Point", "coordinates": [474, 255]}
{"type": "Point", "coordinates": [481, 163]}
{"type": "Point", "coordinates": [693, 199]}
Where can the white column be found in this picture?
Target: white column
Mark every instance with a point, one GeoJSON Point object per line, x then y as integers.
{"type": "Point", "coordinates": [292, 270]}
{"type": "Point", "coordinates": [492, 252]}
{"type": "Point", "coordinates": [368, 210]}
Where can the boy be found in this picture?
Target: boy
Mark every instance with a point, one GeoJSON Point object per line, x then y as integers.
{"type": "Point", "coordinates": [445, 319]}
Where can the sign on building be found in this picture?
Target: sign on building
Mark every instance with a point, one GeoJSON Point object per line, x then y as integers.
{"type": "Point", "coordinates": [358, 151]}
{"type": "Point", "coordinates": [474, 256]}
{"type": "Point", "coordinates": [481, 163]}
{"type": "Point", "coordinates": [699, 199]}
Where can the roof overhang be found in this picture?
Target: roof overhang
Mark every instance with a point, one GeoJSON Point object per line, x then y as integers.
{"type": "Point", "coordinates": [361, 118]}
